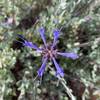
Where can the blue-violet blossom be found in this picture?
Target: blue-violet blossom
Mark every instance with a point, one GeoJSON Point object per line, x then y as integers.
{"type": "Point", "coordinates": [49, 52]}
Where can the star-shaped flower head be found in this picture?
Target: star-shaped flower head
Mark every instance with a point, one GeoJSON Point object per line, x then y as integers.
{"type": "Point", "coordinates": [49, 52]}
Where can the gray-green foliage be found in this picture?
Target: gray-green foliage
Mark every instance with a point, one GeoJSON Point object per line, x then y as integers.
{"type": "Point", "coordinates": [73, 17]}
{"type": "Point", "coordinates": [7, 60]}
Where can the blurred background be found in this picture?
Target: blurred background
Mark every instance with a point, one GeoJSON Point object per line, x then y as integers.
{"type": "Point", "coordinates": [79, 22]}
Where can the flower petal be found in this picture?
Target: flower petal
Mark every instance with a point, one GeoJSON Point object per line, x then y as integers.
{"type": "Point", "coordinates": [42, 68]}
{"type": "Point", "coordinates": [42, 33]}
{"type": "Point", "coordinates": [58, 68]}
{"type": "Point", "coordinates": [27, 43]}
{"type": "Point", "coordinates": [69, 55]}
{"type": "Point", "coordinates": [56, 34]}
{"type": "Point", "coordinates": [30, 45]}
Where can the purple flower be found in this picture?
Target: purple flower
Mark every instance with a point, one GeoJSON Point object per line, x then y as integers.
{"type": "Point", "coordinates": [49, 52]}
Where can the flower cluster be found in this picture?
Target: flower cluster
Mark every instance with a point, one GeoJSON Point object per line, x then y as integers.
{"type": "Point", "coordinates": [49, 52]}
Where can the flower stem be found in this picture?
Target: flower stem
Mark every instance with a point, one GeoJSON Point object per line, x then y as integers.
{"type": "Point", "coordinates": [68, 90]}
{"type": "Point", "coordinates": [63, 82]}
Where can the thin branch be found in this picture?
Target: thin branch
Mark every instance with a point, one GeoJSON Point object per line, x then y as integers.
{"type": "Point", "coordinates": [67, 89]}
{"type": "Point", "coordinates": [97, 40]}
{"type": "Point", "coordinates": [63, 82]}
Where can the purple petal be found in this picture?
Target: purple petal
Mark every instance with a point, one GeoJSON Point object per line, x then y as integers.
{"type": "Point", "coordinates": [56, 34]}
{"type": "Point", "coordinates": [69, 55]}
{"type": "Point", "coordinates": [31, 45]}
{"type": "Point", "coordinates": [58, 68]}
{"type": "Point", "coordinates": [27, 43]}
{"type": "Point", "coordinates": [42, 68]}
{"type": "Point", "coordinates": [42, 33]}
